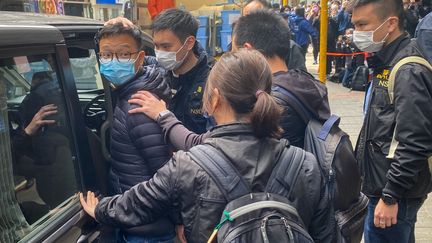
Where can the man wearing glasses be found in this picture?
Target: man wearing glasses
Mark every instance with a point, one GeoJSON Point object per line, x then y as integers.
{"type": "Point", "coordinates": [185, 62]}
{"type": "Point", "coordinates": [138, 148]}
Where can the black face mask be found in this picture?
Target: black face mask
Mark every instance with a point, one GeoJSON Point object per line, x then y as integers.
{"type": "Point", "coordinates": [211, 122]}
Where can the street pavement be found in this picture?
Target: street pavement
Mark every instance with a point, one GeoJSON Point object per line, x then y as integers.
{"type": "Point", "coordinates": [349, 106]}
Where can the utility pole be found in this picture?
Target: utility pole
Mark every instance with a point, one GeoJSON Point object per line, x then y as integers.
{"type": "Point", "coordinates": [323, 41]}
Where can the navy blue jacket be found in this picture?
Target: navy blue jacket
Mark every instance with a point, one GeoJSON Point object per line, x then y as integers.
{"type": "Point", "coordinates": [138, 148]}
{"type": "Point", "coordinates": [302, 29]}
{"type": "Point", "coordinates": [188, 90]}
{"type": "Point", "coordinates": [344, 21]}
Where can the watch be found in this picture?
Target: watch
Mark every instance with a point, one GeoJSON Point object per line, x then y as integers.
{"type": "Point", "coordinates": [388, 199]}
{"type": "Point", "coordinates": [162, 114]}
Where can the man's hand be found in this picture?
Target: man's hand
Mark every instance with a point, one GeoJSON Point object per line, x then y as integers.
{"type": "Point", "coordinates": [385, 215]}
{"type": "Point", "coordinates": [150, 105]}
{"type": "Point", "coordinates": [38, 119]}
{"type": "Point", "coordinates": [126, 22]}
{"type": "Point", "coordinates": [89, 204]}
{"type": "Point", "coordinates": [180, 233]}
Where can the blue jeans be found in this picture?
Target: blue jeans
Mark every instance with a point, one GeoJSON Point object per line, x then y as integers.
{"type": "Point", "coordinates": [402, 232]}
{"type": "Point", "coordinates": [347, 77]}
{"type": "Point", "coordinates": [129, 238]}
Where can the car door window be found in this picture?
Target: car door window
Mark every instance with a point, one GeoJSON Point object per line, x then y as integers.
{"type": "Point", "coordinates": [85, 68]}
{"type": "Point", "coordinates": [37, 156]}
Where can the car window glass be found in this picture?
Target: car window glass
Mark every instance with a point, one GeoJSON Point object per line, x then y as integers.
{"type": "Point", "coordinates": [85, 69]}
{"type": "Point", "coordinates": [37, 155]}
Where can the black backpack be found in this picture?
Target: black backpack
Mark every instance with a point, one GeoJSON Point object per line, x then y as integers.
{"type": "Point", "coordinates": [255, 217]}
{"type": "Point", "coordinates": [360, 78]}
{"type": "Point", "coordinates": [333, 150]}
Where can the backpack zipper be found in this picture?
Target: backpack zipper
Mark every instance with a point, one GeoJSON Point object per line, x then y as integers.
{"type": "Point", "coordinates": [288, 229]}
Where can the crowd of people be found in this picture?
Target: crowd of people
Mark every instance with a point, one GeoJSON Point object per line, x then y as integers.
{"type": "Point", "coordinates": [304, 21]}
{"type": "Point", "coordinates": [237, 112]}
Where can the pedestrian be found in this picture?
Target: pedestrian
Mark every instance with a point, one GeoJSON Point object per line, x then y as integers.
{"type": "Point", "coordinates": [343, 18]}
{"type": "Point", "coordinates": [411, 17]}
{"type": "Point", "coordinates": [134, 157]}
{"type": "Point", "coordinates": [247, 134]}
{"type": "Point", "coordinates": [332, 30]}
{"type": "Point", "coordinates": [396, 138]}
{"type": "Point", "coordinates": [315, 23]}
{"type": "Point", "coordinates": [253, 34]}
{"type": "Point", "coordinates": [295, 59]}
{"type": "Point", "coordinates": [178, 52]}
{"type": "Point", "coordinates": [303, 29]}
{"type": "Point", "coordinates": [185, 62]}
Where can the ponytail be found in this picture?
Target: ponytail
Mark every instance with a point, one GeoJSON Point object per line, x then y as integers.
{"type": "Point", "coordinates": [265, 116]}
{"type": "Point", "coordinates": [238, 75]}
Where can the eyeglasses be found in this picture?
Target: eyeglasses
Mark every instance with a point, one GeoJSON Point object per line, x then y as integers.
{"type": "Point", "coordinates": [105, 57]}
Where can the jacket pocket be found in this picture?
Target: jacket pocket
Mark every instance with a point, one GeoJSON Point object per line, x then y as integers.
{"type": "Point", "coordinates": [207, 217]}
{"type": "Point", "coordinates": [382, 117]}
{"type": "Point", "coordinates": [376, 166]}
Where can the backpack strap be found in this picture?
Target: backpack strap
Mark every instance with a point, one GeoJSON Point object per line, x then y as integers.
{"type": "Point", "coordinates": [298, 106]}
{"type": "Point", "coordinates": [223, 173]}
{"type": "Point", "coordinates": [399, 64]}
{"type": "Point", "coordinates": [287, 96]}
{"type": "Point", "coordinates": [286, 171]}
{"type": "Point", "coordinates": [392, 78]}
{"type": "Point", "coordinates": [327, 126]}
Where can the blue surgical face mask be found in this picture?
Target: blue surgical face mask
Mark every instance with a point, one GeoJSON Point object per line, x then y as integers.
{"type": "Point", "coordinates": [117, 72]}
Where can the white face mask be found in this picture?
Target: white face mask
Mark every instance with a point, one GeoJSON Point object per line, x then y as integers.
{"type": "Point", "coordinates": [364, 40]}
{"type": "Point", "coordinates": [168, 59]}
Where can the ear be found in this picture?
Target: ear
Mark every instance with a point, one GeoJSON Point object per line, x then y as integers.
{"type": "Point", "coordinates": [140, 60]}
{"type": "Point", "coordinates": [393, 24]}
{"type": "Point", "coordinates": [190, 42]}
{"type": "Point", "coordinates": [247, 45]}
{"type": "Point", "coordinates": [216, 99]}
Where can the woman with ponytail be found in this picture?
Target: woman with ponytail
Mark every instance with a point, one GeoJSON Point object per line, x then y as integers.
{"type": "Point", "coordinates": [246, 133]}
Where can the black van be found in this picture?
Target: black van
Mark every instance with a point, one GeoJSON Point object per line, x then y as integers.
{"type": "Point", "coordinates": [50, 60]}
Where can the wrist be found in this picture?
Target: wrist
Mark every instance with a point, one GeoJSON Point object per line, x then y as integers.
{"type": "Point", "coordinates": [388, 199]}
{"type": "Point", "coordinates": [162, 115]}
{"type": "Point", "coordinates": [27, 131]}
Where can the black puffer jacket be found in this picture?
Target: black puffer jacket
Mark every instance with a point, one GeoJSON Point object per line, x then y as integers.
{"type": "Point", "coordinates": [183, 184]}
{"type": "Point", "coordinates": [407, 175]}
{"type": "Point", "coordinates": [310, 92]}
{"type": "Point", "coordinates": [138, 149]}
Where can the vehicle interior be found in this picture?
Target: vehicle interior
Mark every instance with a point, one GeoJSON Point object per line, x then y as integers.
{"type": "Point", "coordinates": [42, 171]}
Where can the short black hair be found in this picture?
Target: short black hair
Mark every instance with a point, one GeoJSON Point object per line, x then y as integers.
{"type": "Point", "coordinates": [300, 12]}
{"type": "Point", "coordinates": [180, 22]}
{"type": "Point", "coordinates": [264, 3]}
{"type": "Point", "coordinates": [384, 8]}
{"type": "Point", "coordinates": [118, 29]}
{"type": "Point", "coordinates": [266, 31]}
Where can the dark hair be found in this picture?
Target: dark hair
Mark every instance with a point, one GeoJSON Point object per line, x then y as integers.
{"type": "Point", "coordinates": [244, 80]}
{"type": "Point", "coordinates": [384, 8]}
{"type": "Point", "coordinates": [119, 29]}
{"type": "Point", "coordinates": [264, 3]}
{"type": "Point", "coordinates": [180, 22]}
{"type": "Point", "coordinates": [265, 31]}
{"type": "Point", "coordinates": [300, 12]}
